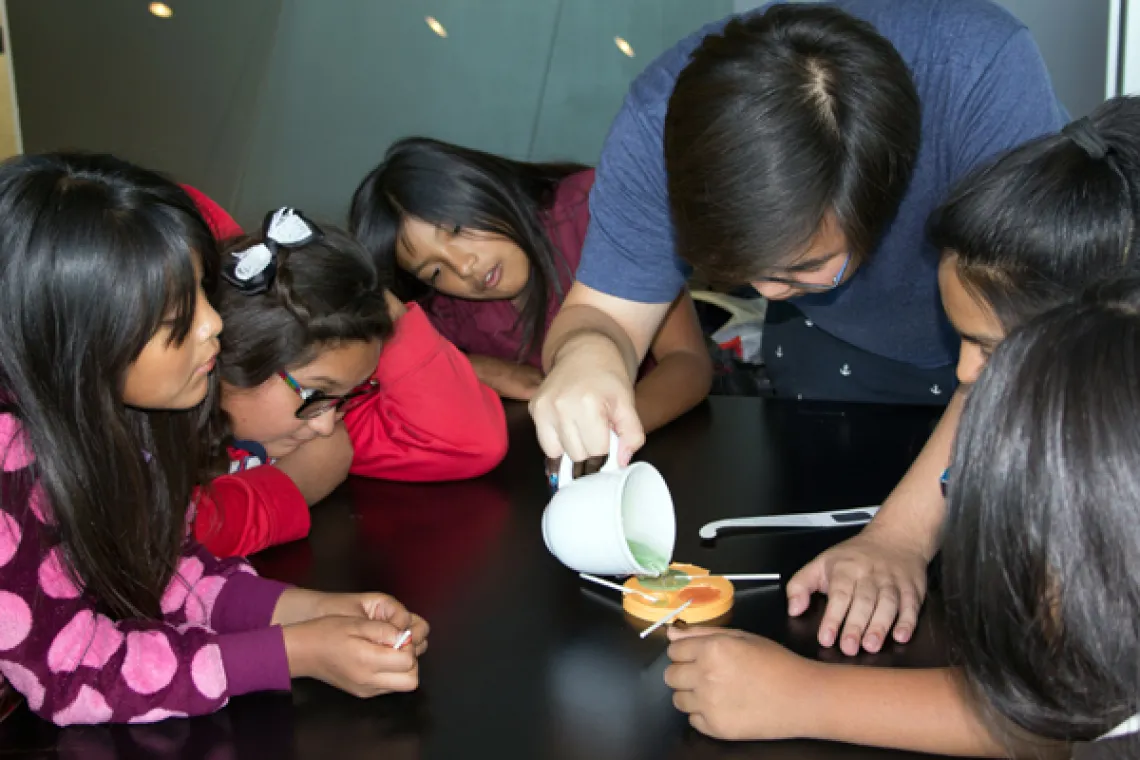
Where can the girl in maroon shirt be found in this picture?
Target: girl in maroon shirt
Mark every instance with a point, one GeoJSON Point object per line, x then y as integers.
{"type": "Point", "coordinates": [490, 246]}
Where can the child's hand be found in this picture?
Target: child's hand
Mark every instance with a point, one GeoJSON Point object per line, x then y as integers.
{"type": "Point", "coordinates": [353, 654]}
{"type": "Point", "coordinates": [735, 685]}
{"type": "Point", "coordinates": [375, 606]}
{"type": "Point", "coordinates": [873, 581]}
{"type": "Point", "coordinates": [300, 605]}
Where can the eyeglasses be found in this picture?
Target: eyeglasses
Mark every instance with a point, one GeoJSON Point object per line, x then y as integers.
{"type": "Point", "coordinates": [812, 285]}
{"type": "Point", "coordinates": [316, 402]}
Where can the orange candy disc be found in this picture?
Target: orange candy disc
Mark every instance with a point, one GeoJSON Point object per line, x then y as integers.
{"type": "Point", "coordinates": [711, 597]}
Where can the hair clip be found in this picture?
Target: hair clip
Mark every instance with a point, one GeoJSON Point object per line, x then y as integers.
{"type": "Point", "coordinates": [1087, 138]}
{"type": "Point", "coordinates": [253, 269]}
{"type": "Point", "coordinates": [288, 227]}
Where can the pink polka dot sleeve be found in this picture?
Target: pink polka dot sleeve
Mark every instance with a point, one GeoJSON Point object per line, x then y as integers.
{"type": "Point", "coordinates": [76, 665]}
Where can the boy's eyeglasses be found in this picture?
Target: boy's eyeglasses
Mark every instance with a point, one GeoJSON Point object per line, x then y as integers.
{"type": "Point", "coordinates": [812, 285]}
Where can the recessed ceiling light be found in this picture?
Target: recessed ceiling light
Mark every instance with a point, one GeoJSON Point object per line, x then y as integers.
{"type": "Point", "coordinates": [162, 10]}
{"type": "Point", "coordinates": [435, 26]}
{"type": "Point", "coordinates": [624, 46]}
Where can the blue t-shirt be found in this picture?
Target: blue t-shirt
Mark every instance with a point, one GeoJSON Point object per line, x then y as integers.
{"type": "Point", "coordinates": [983, 88]}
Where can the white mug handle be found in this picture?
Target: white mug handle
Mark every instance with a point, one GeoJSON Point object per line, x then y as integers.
{"type": "Point", "coordinates": [566, 466]}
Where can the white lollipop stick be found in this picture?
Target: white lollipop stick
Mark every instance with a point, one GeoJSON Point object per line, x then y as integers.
{"type": "Point", "coordinates": [738, 577]}
{"type": "Point", "coordinates": [666, 619]}
{"type": "Point", "coordinates": [616, 586]}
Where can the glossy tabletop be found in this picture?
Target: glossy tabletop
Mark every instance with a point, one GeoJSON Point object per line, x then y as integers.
{"type": "Point", "coordinates": [526, 660]}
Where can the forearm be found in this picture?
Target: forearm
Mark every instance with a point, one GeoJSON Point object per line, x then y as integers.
{"type": "Point", "coordinates": [508, 379]}
{"type": "Point", "coordinates": [296, 605]}
{"type": "Point", "coordinates": [320, 465]}
{"type": "Point", "coordinates": [578, 326]}
{"type": "Point", "coordinates": [915, 510]}
{"type": "Point", "coordinates": [919, 710]}
{"type": "Point", "coordinates": [679, 382]}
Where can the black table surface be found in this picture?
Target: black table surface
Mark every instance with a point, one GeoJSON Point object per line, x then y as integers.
{"type": "Point", "coordinates": [525, 660]}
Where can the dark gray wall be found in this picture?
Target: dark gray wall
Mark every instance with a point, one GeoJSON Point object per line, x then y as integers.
{"type": "Point", "coordinates": [267, 102]}
{"type": "Point", "coordinates": [1073, 37]}
{"type": "Point", "coordinates": [177, 95]}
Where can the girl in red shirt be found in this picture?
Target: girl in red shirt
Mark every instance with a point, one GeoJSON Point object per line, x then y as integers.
{"type": "Point", "coordinates": [491, 246]}
{"type": "Point", "coordinates": [324, 373]}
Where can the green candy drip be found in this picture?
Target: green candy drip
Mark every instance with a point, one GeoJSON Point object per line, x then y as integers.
{"type": "Point", "coordinates": [670, 580]}
{"type": "Point", "coordinates": [648, 558]}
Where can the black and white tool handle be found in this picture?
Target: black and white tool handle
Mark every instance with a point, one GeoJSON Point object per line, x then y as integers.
{"type": "Point", "coordinates": [841, 518]}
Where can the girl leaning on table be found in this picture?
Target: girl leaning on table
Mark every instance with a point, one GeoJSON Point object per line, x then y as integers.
{"type": "Point", "coordinates": [1041, 573]}
{"type": "Point", "coordinates": [1068, 202]}
{"type": "Point", "coordinates": [490, 246]}
{"type": "Point", "coordinates": [109, 611]}
{"type": "Point", "coordinates": [324, 373]}
{"type": "Point", "coordinates": [1019, 237]}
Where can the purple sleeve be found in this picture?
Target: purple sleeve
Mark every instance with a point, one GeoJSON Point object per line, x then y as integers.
{"type": "Point", "coordinates": [245, 600]}
{"type": "Point", "coordinates": [75, 665]}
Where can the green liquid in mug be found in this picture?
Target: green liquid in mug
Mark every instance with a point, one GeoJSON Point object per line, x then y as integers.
{"type": "Point", "coordinates": [645, 556]}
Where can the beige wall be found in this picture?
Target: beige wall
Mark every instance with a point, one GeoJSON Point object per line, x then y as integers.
{"type": "Point", "coordinates": [9, 143]}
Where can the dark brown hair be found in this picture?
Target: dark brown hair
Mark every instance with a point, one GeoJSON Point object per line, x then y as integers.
{"type": "Point", "coordinates": [1044, 220]}
{"type": "Point", "coordinates": [782, 118]}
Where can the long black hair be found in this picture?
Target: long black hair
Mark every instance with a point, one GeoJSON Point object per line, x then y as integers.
{"type": "Point", "coordinates": [450, 186]}
{"type": "Point", "coordinates": [324, 293]}
{"type": "Point", "coordinates": [1041, 555]}
{"type": "Point", "coordinates": [95, 254]}
{"type": "Point", "coordinates": [1044, 220]}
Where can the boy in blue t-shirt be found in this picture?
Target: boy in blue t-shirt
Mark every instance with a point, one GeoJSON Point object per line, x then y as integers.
{"type": "Point", "coordinates": [800, 149]}
{"type": "Point", "coordinates": [755, 168]}
{"type": "Point", "coordinates": [797, 149]}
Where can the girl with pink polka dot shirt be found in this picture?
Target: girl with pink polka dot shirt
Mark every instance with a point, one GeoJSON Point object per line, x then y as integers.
{"type": "Point", "coordinates": [109, 611]}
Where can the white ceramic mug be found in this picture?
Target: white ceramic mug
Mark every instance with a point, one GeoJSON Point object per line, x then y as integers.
{"type": "Point", "coordinates": [591, 520]}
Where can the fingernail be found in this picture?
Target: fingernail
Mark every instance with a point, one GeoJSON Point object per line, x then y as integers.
{"type": "Point", "coordinates": [849, 644]}
{"type": "Point", "coordinates": [902, 637]}
{"type": "Point", "coordinates": [872, 643]}
{"type": "Point", "coordinates": [827, 638]}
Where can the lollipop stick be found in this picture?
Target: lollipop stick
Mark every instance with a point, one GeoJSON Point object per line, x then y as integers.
{"type": "Point", "coordinates": [665, 619]}
{"type": "Point", "coordinates": [616, 586]}
{"type": "Point", "coordinates": [738, 577]}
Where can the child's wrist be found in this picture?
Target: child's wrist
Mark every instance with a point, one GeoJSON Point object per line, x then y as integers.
{"type": "Point", "coordinates": [825, 710]}
{"type": "Point", "coordinates": [298, 651]}
{"type": "Point", "coordinates": [297, 605]}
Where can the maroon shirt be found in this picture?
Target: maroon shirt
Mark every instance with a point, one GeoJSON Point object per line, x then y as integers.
{"type": "Point", "coordinates": [492, 328]}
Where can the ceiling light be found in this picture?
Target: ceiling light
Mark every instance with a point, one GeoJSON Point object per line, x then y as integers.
{"type": "Point", "coordinates": [624, 46]}
{"type": "Point", "coordinates": [435, 26]}
{"type": "Point", "coordinates": [162, 10]}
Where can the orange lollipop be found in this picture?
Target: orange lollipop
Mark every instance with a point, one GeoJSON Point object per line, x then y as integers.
{"type": "Point", "coordinates": [711, 596]}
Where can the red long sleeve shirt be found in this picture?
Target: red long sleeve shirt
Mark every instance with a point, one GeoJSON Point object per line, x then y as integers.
{"type": "Point", "coordinates": [431, 420]}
